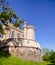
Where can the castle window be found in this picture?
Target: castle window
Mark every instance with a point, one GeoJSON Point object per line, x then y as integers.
{"type": "Point", "coordinates": [18, 35]}
{"type": "Point", "coordinates": [12, 36]}
{"type": "Point", "coordinates": [1, 35]}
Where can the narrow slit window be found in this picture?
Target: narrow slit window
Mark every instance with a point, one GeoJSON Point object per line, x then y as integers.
{"type": "Point", "coordinates": [12, 36]}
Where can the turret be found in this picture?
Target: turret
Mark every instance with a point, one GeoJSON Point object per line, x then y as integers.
{"type": "Point", "coordinates": [31, 33]}
{"type": "Point", "coordinates": [25, 29]}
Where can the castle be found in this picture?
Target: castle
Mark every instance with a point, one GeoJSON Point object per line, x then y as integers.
{"type": "Point", "coordinates": [22, 42]}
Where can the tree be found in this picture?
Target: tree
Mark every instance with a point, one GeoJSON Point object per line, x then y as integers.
{"type": "Point", "coordinates": [49, 55]}
{"type": "Point", "coordinates": [7, 15]}
{"type": "Point", "coordinates": [45, 54]}
{"type": "Point", "coordinates": [46, 57]}
{"type": "Point", "coordinates": [45, 51]}
{"type": "Point", "coordinates": [1, 29]}
{"type": "Point", "coordinates": [52, 57]}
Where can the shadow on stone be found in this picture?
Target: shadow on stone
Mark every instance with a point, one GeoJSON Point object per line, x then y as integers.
{"type": "Point", "coordinates": [4, 54]}
{"type": "Point", "coordinates": [4, 50]}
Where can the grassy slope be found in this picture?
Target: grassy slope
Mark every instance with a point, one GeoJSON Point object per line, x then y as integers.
{"type": "Point", "coordinates": [6, 59]}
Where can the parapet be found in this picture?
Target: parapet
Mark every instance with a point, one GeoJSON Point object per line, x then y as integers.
{"type": "Point", "coordinates": [28, 26]}
{"type": "Point", "coordinates": [31, 27]}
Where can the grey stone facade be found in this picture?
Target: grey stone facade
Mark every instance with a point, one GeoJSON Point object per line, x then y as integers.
{"type": "Point", "coordinates": [21, 43]}
{"type": "Point", "coordinates": [26, 53]}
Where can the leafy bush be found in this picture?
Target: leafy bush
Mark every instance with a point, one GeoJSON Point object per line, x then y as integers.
{"type": "Point", "coordinates": [49, 56]}
{"type": "Point", "coordinates": [52, 57]}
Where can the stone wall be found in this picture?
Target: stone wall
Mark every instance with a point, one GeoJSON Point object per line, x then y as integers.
{"type": "Point", "coordinates": [26, 53]}
{"type": "Point", "coordinates": [22, 52]}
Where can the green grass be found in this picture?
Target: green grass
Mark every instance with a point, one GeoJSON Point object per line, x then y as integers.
{"type": "Point", "coordinates": [7, 59]}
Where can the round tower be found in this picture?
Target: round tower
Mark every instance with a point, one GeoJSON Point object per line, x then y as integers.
{"type": "Point", "coordinates": [31, 33]}
{"type": "Point", "coordinates": [25, 29]}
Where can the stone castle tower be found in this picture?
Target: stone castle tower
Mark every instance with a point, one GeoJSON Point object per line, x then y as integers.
{"type": "Point", "coordinates": [22, 42]}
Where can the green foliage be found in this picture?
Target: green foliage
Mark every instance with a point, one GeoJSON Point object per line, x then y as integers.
{"type": "Point", "coordinates": [45, 53]}
{"type": "Point", "coordinates": [21, 20]}
{"type": "Point", "coordinates": [17, 24]}
{"type": "Point", "coordinates": [46, 57]}
{"type": "Point", "coordinates": [5, 7]}
{"type": "Point", "coordinates": [7, 14]}
{"type": "Point", "coordinates": [45, 50]}
{"type": "Point", "coordinates": [15, 16]}
{"type": "Point", "coordinates": [1, 29]}
{"type": "Point", "coordinates": [4, 54]}
{"type": "Point", "coordinates": [49, 56]}
{"type": "Point", "coordinates": [52, 57]}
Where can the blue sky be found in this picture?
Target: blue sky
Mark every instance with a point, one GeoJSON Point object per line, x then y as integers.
{"type": "Point", "coordinates": [41, 14]}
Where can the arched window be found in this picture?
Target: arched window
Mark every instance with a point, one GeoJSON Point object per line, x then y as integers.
{"type": "Point", "coordinates": [1, 35]}
{"type": "Point", "coordinates": [12, 36]}
{"type": "Point", "coordinates": [18, 35]}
